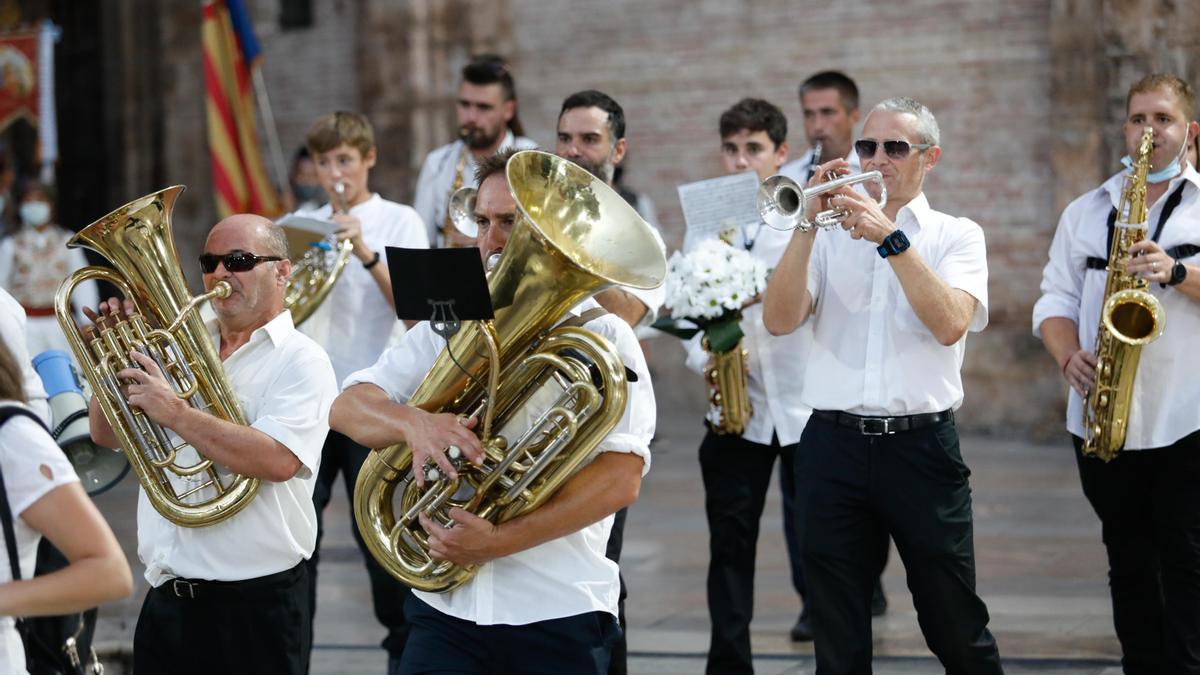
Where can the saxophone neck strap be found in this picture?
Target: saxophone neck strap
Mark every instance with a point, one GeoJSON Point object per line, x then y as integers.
{"type": "Point", "coordinates": [1168, 208]}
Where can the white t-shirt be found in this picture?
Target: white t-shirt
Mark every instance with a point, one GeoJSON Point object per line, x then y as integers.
{"type": "Point", "coordinates": [355, 321]}
{"type": "Point", "coordinates": [25, 448]}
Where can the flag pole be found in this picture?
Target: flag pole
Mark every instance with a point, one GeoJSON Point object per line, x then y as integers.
{"type": "Point", "coordinates": [264, 109]}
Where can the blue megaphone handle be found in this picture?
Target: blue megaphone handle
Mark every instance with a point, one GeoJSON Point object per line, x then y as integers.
{"type": "Point", "coordinates": [57, 371]}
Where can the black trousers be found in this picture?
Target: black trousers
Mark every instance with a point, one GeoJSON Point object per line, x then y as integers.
{"type": "Point", "coordinates": [1148, 502]}
{"type": "Point", "coordinates": [617, 663]}
{"type": "Point", "coordinates": [255, 626]}
{"type": "Point", "coordinates": [914, 486]}
{"type": "Point", "coordinates": [737, 474]}
{"type": "Point", "coordinates": [343, 455]}
{"type": "Point", "coordinates": [444, 645]}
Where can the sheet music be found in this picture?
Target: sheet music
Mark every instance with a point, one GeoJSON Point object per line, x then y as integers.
{"type": "Point", "coordinates": [307, 223]}
{"type": "Point", "coordinates": [716, 204]}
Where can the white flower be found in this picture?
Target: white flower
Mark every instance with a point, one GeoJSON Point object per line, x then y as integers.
{"type": "Point", "coordinates": [712, 280]}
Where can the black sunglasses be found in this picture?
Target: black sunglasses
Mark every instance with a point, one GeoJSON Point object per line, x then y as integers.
{"type": "Point", "coordinates": [236, 261]}
{"type": "Point", "coordinates": [894, 149]}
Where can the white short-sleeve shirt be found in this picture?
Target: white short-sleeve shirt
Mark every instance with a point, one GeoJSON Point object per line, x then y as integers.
{"type": "Point", "coordinates": [285, 385]}
{"type": "Point", "coordinates": [871, 354]}
{"type": "Point", "coordinates": [563, 577]}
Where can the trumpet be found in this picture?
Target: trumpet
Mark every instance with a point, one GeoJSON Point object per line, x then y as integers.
{"type": "Point", "coordinates": [782, 202]}
{"type": "Point", "coordinates": [461, 211]}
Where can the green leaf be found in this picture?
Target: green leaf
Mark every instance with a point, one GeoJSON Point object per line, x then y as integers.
{"type": "Point", "coordinates": [724, 335]}
{"type": "Point", "coordinates": [670, 325]}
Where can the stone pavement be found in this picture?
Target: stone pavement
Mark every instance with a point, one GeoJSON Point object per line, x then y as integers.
{"type": "Point", "coordinates": [1041, 569]}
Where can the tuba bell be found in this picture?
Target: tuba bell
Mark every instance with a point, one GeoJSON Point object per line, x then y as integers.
{"type": "Point", "coordinates": [136, 239]}
{"type": "Point", "coordinates": [554, 392]}
{"type": "Point", "coordinates": [316, 264]}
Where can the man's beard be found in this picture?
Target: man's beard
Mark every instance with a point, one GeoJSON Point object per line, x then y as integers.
{"type": "Point", "coordinates": [602, 170]}
{"type": "Point", "coordinates": [479, 139]}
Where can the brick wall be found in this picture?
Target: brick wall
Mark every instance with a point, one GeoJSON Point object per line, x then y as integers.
{"type": "Point", "coordinates": [1028, 93]}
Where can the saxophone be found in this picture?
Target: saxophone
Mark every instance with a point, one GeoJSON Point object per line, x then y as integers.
{"type": "Point", "coordinates": [1131, 317]}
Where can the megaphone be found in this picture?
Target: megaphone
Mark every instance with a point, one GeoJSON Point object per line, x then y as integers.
{"type": "Point", "coordinates": [99, 468]}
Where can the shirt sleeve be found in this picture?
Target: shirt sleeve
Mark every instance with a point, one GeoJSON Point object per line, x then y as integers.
{"type": "Point", "coordinates": [816, 266]}
{"type": "Point", "coordinates": [1062, 280]}
{"type": "Point", "coordinates": [401, 368]}
{"type": "Point", "coordinates": [25, 448]}
{"type": "Point", "coordinates": [964, 266]}
{"type": "Point", "coordinates": [297, 411]}
{"type": "Point", "coordinates": [636, 427]}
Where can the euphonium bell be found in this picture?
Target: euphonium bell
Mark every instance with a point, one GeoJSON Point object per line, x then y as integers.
{"type": "Point", "coordinates": [317, 264]}
{"type": "Point", "coordinates": [166, 326]}
{"type": "Point", "coordinates": [574, 237]}
{"type": "Point", "coordinates": [782, 202]}
{"type": "Point", "coordinates": [461, 211]}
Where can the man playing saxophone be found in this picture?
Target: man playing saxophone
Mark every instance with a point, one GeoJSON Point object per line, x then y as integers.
{"type": "Point", "coordinates": [543, 578]}
{"type": "Point", "coordinates": [1146, 497]}
{"type": "Point", "coordinates": [232, 597]}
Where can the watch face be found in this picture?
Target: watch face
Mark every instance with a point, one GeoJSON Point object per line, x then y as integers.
{"type": "Point", "coordinates": [1178, 273]}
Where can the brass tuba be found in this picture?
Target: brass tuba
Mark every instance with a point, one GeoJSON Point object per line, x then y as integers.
{"type": "Point", "coordinates": [1131, 317]}
{"type": "Point", "coordinates": [136, 239]}
{"type": "Point", "coordinates": [575, 236]}
{"type": "Point", "coordinates": [316, 264]}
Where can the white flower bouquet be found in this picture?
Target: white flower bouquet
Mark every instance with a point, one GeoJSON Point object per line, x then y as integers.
{"type": "Point", "coordinates": [708, 287]}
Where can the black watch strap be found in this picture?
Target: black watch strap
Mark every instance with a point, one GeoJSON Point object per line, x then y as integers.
{"type": "Point", "coordinates": [374, 262]}
{"type": "Point", "coordinates": [893, 244]}
{"type": "Point", "coordinates": [1178, 274]}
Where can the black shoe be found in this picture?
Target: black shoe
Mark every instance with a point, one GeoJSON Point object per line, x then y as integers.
{"type": "Point", "coordinates": [879, 601]}
{"type": "Point", "coordinates": [802, 631]}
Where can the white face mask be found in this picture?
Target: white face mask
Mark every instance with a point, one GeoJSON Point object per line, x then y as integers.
{"type": "Point", "coordinates": [35, 214]}
{"type": "Point", "coordinates": [1166, 173]}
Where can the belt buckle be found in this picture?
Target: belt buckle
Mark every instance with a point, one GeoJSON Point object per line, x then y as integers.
{"type": "Point", "coordinates": [188, 589]}
{"type": "Point", "coordinates": [875, 426]}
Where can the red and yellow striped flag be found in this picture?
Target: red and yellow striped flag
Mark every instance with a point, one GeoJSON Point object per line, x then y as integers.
{"type": "Point", "coordinates": [230, 51]}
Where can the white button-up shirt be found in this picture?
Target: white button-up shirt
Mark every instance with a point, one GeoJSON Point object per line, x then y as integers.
{"type": "Point", "coordinates": [560, 578]}
{"type": "Point", "coordinates": [1165, 397]}
{"type": "Point", "coordinates": [774, 364]}
{"type": "Point", "coordinates": [871, 354]}
{"type": "Point", "coordinates": [436, 179]}
{"type": "Point", "coordinates": [285, 385]}
{"type": "Point", "coordinates": [356, 320]}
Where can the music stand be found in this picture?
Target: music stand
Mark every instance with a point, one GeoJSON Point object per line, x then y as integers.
{"type": "Point", "coordinates": [444, 286]}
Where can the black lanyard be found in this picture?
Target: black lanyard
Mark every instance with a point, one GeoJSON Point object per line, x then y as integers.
{"type": "Point", "coordinates": [1177, 252]}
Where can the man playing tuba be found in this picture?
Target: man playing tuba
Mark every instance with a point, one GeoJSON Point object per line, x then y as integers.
{"type": "Point", "coordinates": [543, 577]}
{"type": "Point", "coordinates": [233, 597]}
{"type": "Point", "coordinates": [1146, 497]}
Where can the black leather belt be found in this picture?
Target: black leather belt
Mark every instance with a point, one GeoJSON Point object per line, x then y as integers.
{"type": "Point", "coordinates": [880, 426]}
{"type": "Point", "coordinates": [190, 589]}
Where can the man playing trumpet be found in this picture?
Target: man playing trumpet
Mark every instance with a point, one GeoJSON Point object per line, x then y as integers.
{"type": "Point", "coordinates": [880, 452]}
{"type": "Point", "coordinates": [544, 599]}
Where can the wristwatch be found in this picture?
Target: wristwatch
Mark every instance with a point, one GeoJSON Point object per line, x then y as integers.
{"type": "Point", "coordinates": [893, 244]}
{"type": "Point", "coordinates": [1178, 274]}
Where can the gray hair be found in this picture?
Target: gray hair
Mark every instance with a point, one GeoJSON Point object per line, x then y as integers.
{"type": "Point", "coordinates": [275, 240]}
{"type": "Point", "coordinates": [927, 126]}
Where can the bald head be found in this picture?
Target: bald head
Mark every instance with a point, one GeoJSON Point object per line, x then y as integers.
{"type": "Point", "coordinates": [266, 234]}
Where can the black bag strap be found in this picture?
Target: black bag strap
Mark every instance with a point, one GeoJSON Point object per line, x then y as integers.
{"type": "Point", "coordinates": [1168, 208]}
{"type": "Point", "coordinates": [10, 538]}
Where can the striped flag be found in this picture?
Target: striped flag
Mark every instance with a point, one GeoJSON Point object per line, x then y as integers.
{"type": "Point", "coordinates": [230, 53]}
